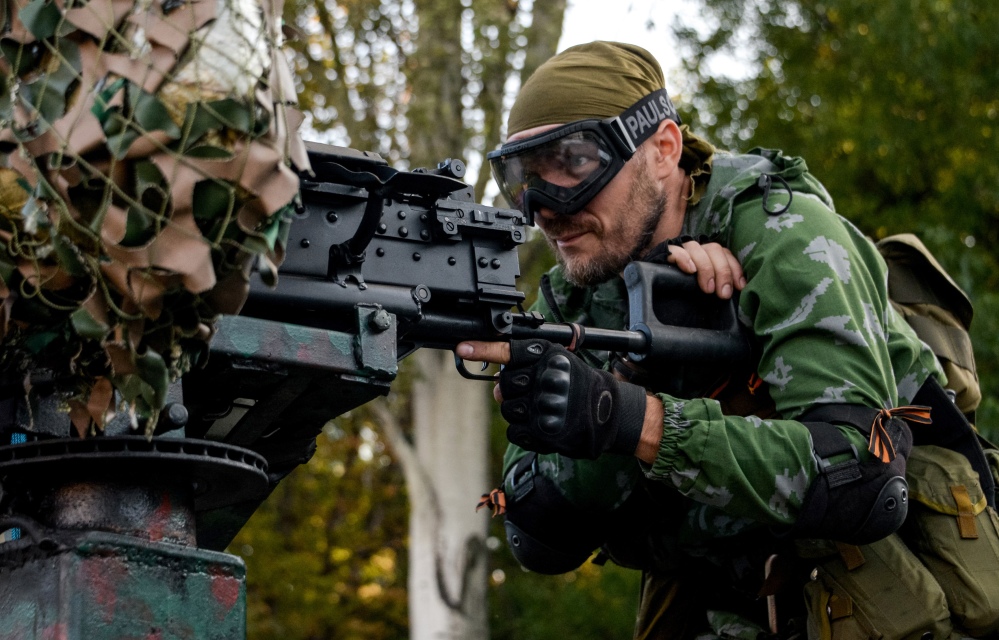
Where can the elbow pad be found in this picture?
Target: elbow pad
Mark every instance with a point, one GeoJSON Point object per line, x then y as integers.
{"type": "Point", "coordinates": [854, 501]}
{"type": "Point", "coordinates": [547, 533]}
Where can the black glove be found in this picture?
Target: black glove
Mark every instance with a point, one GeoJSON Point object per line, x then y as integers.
{"type": "Point", "coordinates": [555, 403]}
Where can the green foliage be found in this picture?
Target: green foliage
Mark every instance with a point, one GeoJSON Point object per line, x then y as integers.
{"type": "Point", "coordinates": [895, 105]}
{"type": "Point", "coordinates": [326, 554]}
{"type": "Point", "coordinates": [590, 602]}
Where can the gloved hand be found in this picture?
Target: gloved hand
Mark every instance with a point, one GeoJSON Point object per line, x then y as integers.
{"type": "Point", "coordinates": [556, 403]}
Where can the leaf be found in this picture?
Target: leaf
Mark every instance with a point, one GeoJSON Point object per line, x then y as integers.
{"type": "Point", "coordinates": [22, 57]}
{"type": "Point", "coordinates": [102, 108]}
{"type": "Point", "coordinates": [48, 94]}
{"type": "Point", "coordinates": [41, 18]}
{"type": "Point", "coordinates": [86, 325]}
{"type": "Point", "coordinates": [202, 117]}
{"type": "Point", "coordinates": [36, 342]}
{"type": "Point", "coordinates": [154, 373]}
{"type": "Point", "coordinates": [150, 114]}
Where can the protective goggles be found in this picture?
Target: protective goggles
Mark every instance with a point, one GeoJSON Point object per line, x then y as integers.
{"type": "Point", "coordinates": [564, 168]}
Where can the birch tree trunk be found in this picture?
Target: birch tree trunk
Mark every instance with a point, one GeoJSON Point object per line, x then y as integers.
{"type": "Point", "coordinates": [448, 572]}
{"type": "Point", "coordinates": [447, 561]}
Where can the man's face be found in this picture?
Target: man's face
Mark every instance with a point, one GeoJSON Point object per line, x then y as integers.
{"type": "Point", "coordinates": [614, 228]}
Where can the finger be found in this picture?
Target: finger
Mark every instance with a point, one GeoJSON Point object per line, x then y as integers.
{"type": "Point", "coordinates": [738, 275]}
{"type": "Point", "coordinates": [497, 352]}
{"type": "Point", "coordinates": [725, 279]}
{"type": "Point", "coordinates": [681, 258]}
{"type": "Point", "coordinates": [497, 393]}
{"type": "Point", "coordinates": [520, 434]}
{"type": "Point", "coordinates": [515, 411]}
{"type": "Point", "coordinates": [524, 353]}
{"type": "Point", "coordinates": [703, 264]}
{"type": "Point", "coordinates": [514, 382]}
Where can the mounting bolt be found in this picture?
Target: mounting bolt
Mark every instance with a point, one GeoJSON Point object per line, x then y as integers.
{"type": "Point", "coordinates": [173, 416]}
{"type": "Point", "coordinates": [305, 243]}
{"type": "Point", "coordinates": [380, 320]}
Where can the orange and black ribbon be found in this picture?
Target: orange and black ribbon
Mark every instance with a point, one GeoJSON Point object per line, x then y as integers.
{"type": "Point", "coordinates": [495, 500]}
{"type": "Point", "coordinates": [880, 443]}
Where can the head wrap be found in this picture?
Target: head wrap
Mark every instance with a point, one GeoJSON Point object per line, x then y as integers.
{"type": "Point", "coordinates": [600, 80]}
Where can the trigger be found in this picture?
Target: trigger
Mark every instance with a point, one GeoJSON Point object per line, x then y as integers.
{"type": "Point", "coordinates": [459, 364]}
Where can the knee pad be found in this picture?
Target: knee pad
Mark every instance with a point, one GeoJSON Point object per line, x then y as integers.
{"type": "Point", "coordinates": [853, 501]}
{"type": "Point", "coordinates": [547, 533]}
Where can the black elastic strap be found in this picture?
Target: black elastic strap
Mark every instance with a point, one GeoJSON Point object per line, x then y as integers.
{"type": "Point", "coordinates": [855, 415]}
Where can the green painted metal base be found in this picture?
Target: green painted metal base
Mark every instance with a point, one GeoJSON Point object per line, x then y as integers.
{"type": "Point", "coordinates": [99, 586]}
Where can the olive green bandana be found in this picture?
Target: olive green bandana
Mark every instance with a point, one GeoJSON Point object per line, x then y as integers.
{"type": "Point", "coordinates": [601, 80]}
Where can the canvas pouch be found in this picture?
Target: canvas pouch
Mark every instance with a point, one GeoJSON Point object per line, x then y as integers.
{"type": "Point", "coordinates": [873, 591]}
{"type": "Point", "coordinates": [955, 534]}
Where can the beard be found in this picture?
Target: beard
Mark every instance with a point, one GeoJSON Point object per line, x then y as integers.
{"type": "Point", "coordinates": [639, 215]}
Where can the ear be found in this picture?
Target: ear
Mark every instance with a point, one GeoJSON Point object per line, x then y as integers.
{"type": "Point", "coordinates": [666, 148]}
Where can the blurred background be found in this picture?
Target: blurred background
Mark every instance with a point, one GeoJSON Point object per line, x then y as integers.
{"type": "Point", "coordinates": [894, 105]}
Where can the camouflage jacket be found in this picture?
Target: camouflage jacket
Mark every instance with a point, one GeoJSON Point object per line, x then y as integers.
{"type": "Point", "coordinates": [817, 304]}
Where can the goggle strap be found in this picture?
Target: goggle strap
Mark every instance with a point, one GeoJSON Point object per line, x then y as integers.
{"type": "Point", "coordinates": [641, 120]}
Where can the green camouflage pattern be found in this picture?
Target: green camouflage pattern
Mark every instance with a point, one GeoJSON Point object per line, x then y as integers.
{"type": "Point", "coordinates": [816, 302]}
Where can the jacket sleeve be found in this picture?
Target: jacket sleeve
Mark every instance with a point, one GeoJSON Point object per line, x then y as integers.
{"type": "Point", "coordinates": [816, 302]}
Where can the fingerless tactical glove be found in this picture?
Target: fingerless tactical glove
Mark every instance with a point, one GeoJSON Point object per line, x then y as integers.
{"type": "Point", "coordinates": [555, 403]}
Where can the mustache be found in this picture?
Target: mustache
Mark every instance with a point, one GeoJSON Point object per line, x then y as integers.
{"type": "Point", "coordinates": [561, 226]}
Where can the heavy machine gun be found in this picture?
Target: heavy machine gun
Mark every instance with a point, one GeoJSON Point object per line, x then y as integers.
{"type": "Point", "coordinates": [380, 263]}
{"type": "Point", "coordinates": [383, 262]}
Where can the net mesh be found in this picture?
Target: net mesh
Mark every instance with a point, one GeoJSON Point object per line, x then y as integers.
{"type": "Point", "coordinates": [147, 156]}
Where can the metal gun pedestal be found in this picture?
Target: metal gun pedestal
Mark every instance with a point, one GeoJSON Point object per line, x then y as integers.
{"type": "Point", "coordinates": [107, 545]}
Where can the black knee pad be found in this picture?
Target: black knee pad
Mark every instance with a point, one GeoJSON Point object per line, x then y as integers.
{"type": "Point", "coordinates": [546, 532]}
{"type": "Point", "coordinates": [853, 501]}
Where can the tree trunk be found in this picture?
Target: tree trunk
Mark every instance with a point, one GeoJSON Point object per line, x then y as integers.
{"type": "Point", "coordinates": [447, 585]}
{"type": "Point", "coordinates": [446, 471]}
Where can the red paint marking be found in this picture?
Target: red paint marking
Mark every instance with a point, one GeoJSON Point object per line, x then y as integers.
{"type": "Point", "coordinates": [160, 519]}
{"type": "Point", "coordinates": [104, 576]}
{"type": "Point", "coordinates": [226, 590]}
{"type": "Point", "coordinates": [57, 631]}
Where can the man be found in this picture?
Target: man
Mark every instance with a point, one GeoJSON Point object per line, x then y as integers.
{"type": "Point", "coordinates": [597, 154]}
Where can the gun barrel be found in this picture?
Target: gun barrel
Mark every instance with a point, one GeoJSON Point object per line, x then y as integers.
{"type": "Point", "coordinates": [325, 304]}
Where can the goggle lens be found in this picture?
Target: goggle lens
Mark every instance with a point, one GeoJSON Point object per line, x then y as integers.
{"type": "Point", "coordinates": [559, 167]}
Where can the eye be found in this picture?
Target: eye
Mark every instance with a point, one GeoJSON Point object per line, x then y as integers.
{"type": "Point", "coordinates": [580, 160]}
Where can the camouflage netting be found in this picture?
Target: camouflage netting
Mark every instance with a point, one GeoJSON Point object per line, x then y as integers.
{"type": "Point", "coordinates": [144, 165]}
